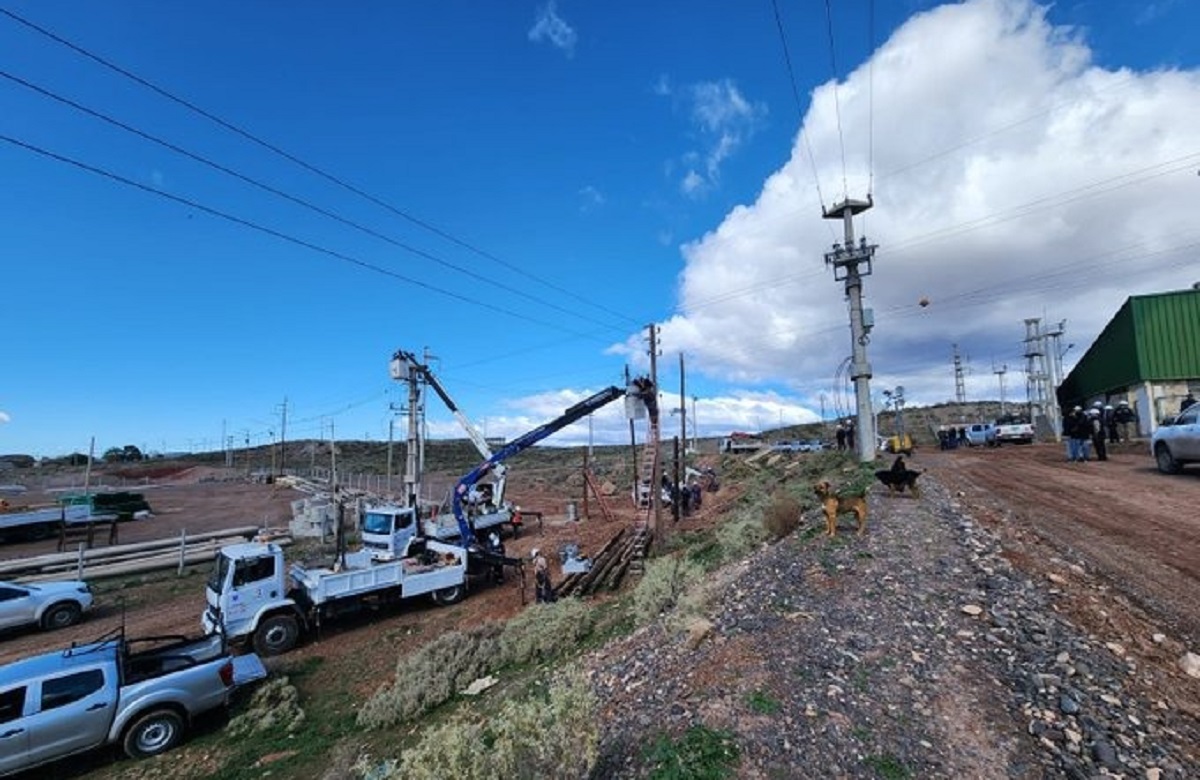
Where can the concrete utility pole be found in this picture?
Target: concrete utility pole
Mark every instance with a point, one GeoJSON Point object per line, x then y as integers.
{"type": "Point", "coordinates": [1036, 369]}
{"type": "Point", "coordinates": [1000, 372]}
{"type": "Point", "coordinates": [851, 263]}
{"type": "Point", "coordinates": [411, 479]}
{"type": "Point", "coordinates": [283, 439]}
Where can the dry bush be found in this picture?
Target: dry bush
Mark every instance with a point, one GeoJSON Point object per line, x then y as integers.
{"type": "Point", "coordinates": [663, 583]}
{"type": "Point", "coordinates": [433, 674]}
{"type": "Point", "coordinates": [545, 631]}
{"type": "Point", "coordinates": [782, 516]}
{"type": "Point", "coordinates": [553, 735]}
{"type": "Point", "coordinates": [741, 533]}
{"type": "Point", "coordinates": [274, 704]}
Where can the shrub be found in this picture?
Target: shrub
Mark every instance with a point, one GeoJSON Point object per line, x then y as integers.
{"type": "Point", "coordinates": [545, 631]}
{"type": "Point", "coordinates": [700, 754]}
{"type": "Point", "coordinates": [274, 704]}
{"type": "Point", "coordinates": [742, 533]}
{"type": "Point", "coordinates": [433, 674]}
{"type": "Point", "coordinates": [548, 735]}
{"type": "Point", "coordinates": [662, 584]}
{"type": "Point", "coordinates": [782, 516]}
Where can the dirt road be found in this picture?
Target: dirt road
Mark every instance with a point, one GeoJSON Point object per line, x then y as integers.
{"type": "Point", "coordinates": [1135, 530]}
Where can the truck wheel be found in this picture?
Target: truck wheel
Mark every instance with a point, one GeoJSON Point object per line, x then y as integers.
{"type": "Point", "coordinates": [277, 634]}
{"type": "Point", "coordinates": [451, 595]}
{"type": "Point", "coordinates": [155, 732]}
{"type": "Point", "coordinates": [1165, 460]}
{"type": "Point", "coordinates": [61, 615]}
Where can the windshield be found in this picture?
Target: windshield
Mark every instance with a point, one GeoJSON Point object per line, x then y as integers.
{"type": "Point", "coordinates": [377, 523]}
{"type": "Point", "coordinates": [216, 580]}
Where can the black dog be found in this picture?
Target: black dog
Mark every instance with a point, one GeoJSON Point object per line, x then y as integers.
{"type": "Point", "coordinates": [899, 477]}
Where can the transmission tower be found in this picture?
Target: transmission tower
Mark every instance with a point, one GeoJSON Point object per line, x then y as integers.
{"type": "Point", "coordinates": [960, 384]}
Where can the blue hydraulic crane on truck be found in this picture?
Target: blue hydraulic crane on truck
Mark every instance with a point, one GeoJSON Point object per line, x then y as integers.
{"type": "Point", "coordinates": [642, 391]}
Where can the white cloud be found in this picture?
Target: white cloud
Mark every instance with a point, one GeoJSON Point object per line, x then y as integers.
{"type": "Point", "coordinates": [1012, 178]}
{"type": "Point", "coordinates": [551, 28]}
{"type": "Point", "coordinates": [723, 120]}
{"type": "Point", "coordinates": [591, 198]}
{"type": "Point", "coordinates": [4, 417]}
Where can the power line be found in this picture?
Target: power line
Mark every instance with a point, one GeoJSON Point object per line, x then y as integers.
{"type": "Point", "coordinates": [837, 110]}
{"type": "Point", "coordinates": [286, 196]}
{"type": "Point", "coordinates": [297, 161]}
{"type": "Point", "coordinates": [787, 58]}
{"type": "Point", "coordinates": [273, 232]}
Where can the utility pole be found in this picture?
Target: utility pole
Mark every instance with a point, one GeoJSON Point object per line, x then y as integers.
{"type": "Point", "coordinates": [851, 263]}
{"type": "Point", "coordinates": [1000, 372]}
{"type": "Point", "coordinates": [283, 439]}
{"type": "Point", "coordinates": [695, 429]}
{"type": "Point", "coordinates": [1035, 368]}
{"type": "Point", "coordinates": [682, 408]}
{"type": "Point", "coordinates": [656, 470]}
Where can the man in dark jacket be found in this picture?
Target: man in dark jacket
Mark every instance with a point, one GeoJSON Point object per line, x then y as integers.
{"type": "Point", "coordinates": [1096, 428]}
{"type": "Point", "coordinates": [1123, 415]}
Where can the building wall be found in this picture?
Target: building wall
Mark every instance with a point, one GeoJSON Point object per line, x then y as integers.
{"type": "Point", "coordinates": [1148, 355]}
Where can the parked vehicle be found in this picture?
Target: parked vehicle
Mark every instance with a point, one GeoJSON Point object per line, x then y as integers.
{"type": "Point", "coordinates": [739, 442]}
{"type": "Point", "coordinates": [252, 597]}
{"type": "Point", "coordinates": [387, 528]}
{"type": "Point", "coordinates": [1176, 441]}
{"type": "Point", "coordinates": [42, 522]}
{"type": "Point", "coordinates": [981, 435]}
{"type": "Point", "coordinates": [69, 701]}
{"type": "Point", "coordinates": [1014, 429]}
{"type": "Point", "coordinates": [48, 604]}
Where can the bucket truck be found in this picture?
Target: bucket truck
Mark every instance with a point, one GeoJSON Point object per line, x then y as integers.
{"type": "Point", "coordinates": [387, 529]}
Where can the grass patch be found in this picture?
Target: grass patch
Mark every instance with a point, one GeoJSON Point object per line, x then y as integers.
{"type": "Point", "coordinates": [763, 703]}
{"type": "Point", "coordinates": [888, 767]}
{"type": "Point", "coordinates": [700, 754]}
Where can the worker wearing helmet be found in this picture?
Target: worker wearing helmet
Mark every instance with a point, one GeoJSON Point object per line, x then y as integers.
{"type": "Point", "coordinates": [1096, 420]}
{"type": "Point", "coordinates": [543, 590]}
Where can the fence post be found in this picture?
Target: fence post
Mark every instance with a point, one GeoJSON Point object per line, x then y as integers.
{"type": "Point", "coordinates": [182, 550]}
{"type": "Point", "coordinates": [79, 563]}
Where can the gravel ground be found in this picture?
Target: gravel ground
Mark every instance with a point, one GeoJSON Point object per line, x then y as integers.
{"type": "Point", "coordinates": [916, 651]}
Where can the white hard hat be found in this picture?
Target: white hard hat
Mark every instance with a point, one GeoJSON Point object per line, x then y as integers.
{"type": "Point", "coordinates": [534, 552]}
{"type": "Point", "coordinates": [1097, 405]}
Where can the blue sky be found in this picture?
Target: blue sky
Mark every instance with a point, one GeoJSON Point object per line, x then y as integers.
{"type": "Point", "coordinates": [546, 180]}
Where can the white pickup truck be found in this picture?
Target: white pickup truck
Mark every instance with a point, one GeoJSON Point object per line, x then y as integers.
{"type": "Point", "coordinates": [69, 701]}
{"type": "Point", "coordinates": [1013, 429]}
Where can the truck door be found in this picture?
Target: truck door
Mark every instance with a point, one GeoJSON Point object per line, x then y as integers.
{"type": "Point", "coordinates": [16, 607]}
{"type": "Point", "coordinates": [14, 735]}
{"type": "Point", "coordinates": [73, 712]}
{"type": "Point", "coordinates": [255, 583]}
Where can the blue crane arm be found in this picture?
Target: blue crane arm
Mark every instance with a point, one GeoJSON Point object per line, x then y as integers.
{"type": "Point", "coordinates": [524, 442]}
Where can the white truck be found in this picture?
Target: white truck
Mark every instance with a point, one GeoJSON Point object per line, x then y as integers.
{"type": "Point", "coordinates": [387, 529]}
{"type": "Point", "coordinates": [1014, 429]}
{"type": "Point", "coordinates": [252, 598]}
{"type": "Point", "coordinates": [739, 442]}
{"type": "Point", "coordinates": [107, 692]}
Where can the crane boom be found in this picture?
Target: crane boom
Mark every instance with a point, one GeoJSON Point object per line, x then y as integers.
{"type": "Point", "coordinates": [644, 392]}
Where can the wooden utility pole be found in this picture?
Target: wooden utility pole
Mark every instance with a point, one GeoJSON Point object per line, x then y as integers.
{"type": "Point", "coordinates": [656, 472]}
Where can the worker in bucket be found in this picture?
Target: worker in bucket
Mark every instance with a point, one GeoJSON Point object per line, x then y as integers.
{"type": "Point", "coordinates": [544, 591]}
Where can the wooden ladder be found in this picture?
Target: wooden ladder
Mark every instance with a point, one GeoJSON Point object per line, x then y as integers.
{"type": "Point", "coordinates": [641, 526]}
{"type": "Point", "coordinates": [590, 479]}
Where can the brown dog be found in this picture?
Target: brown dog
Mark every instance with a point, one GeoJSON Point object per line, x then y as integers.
{"type": "Point", "coordinates": [840, 505]}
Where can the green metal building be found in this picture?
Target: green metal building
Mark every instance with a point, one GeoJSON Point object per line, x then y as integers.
{"type": "Point", "coordinates": [1148, 355]}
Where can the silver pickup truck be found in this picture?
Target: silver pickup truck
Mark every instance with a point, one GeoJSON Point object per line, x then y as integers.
{"type": "Point", "coordinates": [107, 692]}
